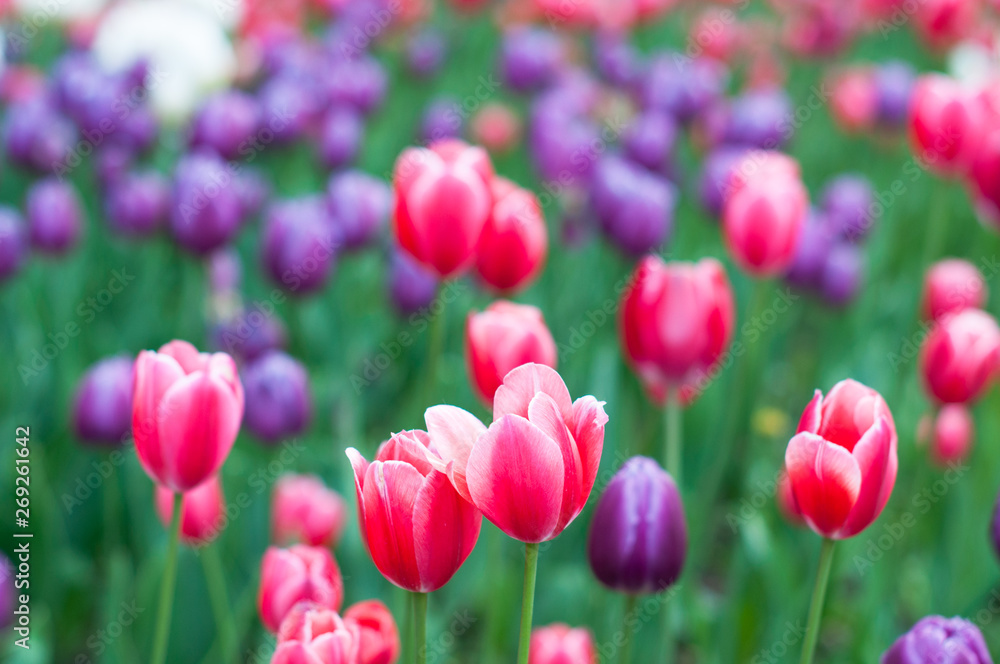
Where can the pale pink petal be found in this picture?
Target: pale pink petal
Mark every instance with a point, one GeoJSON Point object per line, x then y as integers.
{"type": "Point", "coordinates": [825, 481]}
{"type": "Point", "coordinates": [187, 356]}
{"type": "Point", "coordinates": [453, 432]}
{"type": "Point", "coordinates": [520, 386]}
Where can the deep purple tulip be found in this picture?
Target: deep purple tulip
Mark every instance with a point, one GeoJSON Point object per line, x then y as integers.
{"type": "Point", "coordinates": [96, 100]}
{"type": "Point", "coordinates": [939, 640]}
{"type": "Point", "coordinates": [530, 58]}
{"type": "Point", "coordinates": [299, 243]}
{"type": "Point", "coordinates": [617, 61]}
{"type": "Point", "coordinates": [683, 87]}
{"type": "Point", "coordinates": [138, 203]}
{"type": "Point", "coordinates": [441, 120]}
{"type": "Point", "coordinates": [847, 203]}
{"type": "Point", "coordinates": [811, 253]}
{"type": "Point", "coordinates": [277, 397]}
{"type": "Point", "coordinates": [894, 83]}
{"type": "Point", "coordinates": [411, 285]}
{"type": "Point", "coordinates": [759, 119]}
{"type": "Point", "coordinates": [102, 408]}
{"type": "Point", "coordinates": [635, 207]}
{"type": "Point", "coordinates": [714, 182]}
{"type": "Point", "coordinates": [55, 216]}
{"type": "Point", "coordinates": [562, 135]}
{"type": "Point", "coordinates": [13, 242]}
{"type": "Point", "coordinates": [340, 136]}
{"type": "Point", "coordinates": [359, 83]}
{"type": "Point", "coordinates": [208, 208]}
{"type": "Point", "coordinates": [425, 52]}
{"type": "Point", "coordinates": [37, 136]}
{"type": "Point", "coordinates": [7, 592]}
{"type": "Point", "coordinates": [251, 334]}
{"type": "Point", "coordinates": [638, 537]}
{"type": "Point", "coordinates": [649, 140]}
{"type": "Point", "coordinates": [227, 124]}
{"type": "Point", "coordinates": [359, 206]}
{"type": "Point", "coordinates": [842, 274]}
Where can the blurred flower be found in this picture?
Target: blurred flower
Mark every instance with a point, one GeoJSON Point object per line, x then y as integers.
{"type": "Point", "coordinates": [683, 91]}
{"type": "Point", "coordinates": [939, 640]}
{"type": "Point", "coordinates": [617, 60]}
{"type": "Point", "coordinates": [416, 526]}
{"type": "Point", "coordinates": [13, 242]}
{"type": "Point", "coordinates": [138, 204]}
{"type": "Point", "coordinates": [359, 206]}
{"type": "Point", "coordinates": [960, 356]}
{"type": "Point", "coordinates": [37, 136]}
{"type": "Point", "coordinates": [842, 273]}
{"type": "Point", "coordinates": [297, 575]}
{"type": "Point", "coordinates": [812, 252]}
{"type": "Point", "coordinates": [649, 140]}
{"type": "Point", "coordinates": [561, 644]}
{"type": "Point", "coordinates": [847, 204]}
{"type": "Point", "coordinates": [946, 124]}
{"type": "Point", "coordinates": [357, 82]}
{"type": "Point", "coordinates": [635, 207]}
{"type": "Point", "coordinates": [202, 510]}
{"type": "Point", "coordinates": [207, 205]}
{"type": "Point", "coordinates": [250, 334]}
{"type": "Point", "coordinates": [954, 432]}
{"type": "Point", "coordinates": [760, 118]}
{"type": "Point", "coordinates": [303, 509]}
{"type": "Point", "coordinates": [341, 132]}
{"type": "Point", "coordinates": [277, 396]}
{"type": "Point", "coordinates": [894, 83]}
{"type": "Point", "coordinates": [530, 58]}
{"type": "Point", "coordinates": [314, 634]}
{"type": "Point", "coordinates": [411, 285]}
{"type": "Point", "coordinates": [638, 537]}
{"type": "Point", "coordinates": [299, 244]}
{"type": "Point", "coordinates": [950, 286]}
{"type": "Point", "coordinates": [716, 172]}
{"type": "Point", "coordinates": [291, 105]}
{"type": "Point", "coordinates": [226, 123]}
{"type": "Point", "coordinates": [425, 51]}
{"type": "Point", "coordinates": [186, 412]}
{"type": "Point", "coordinates": [562, 135]}
{"type": "Point", "coordinates": [514, 242]}
{"type": "Point", "coordinates": [55, 215]}
{"type": "Point", "coordinates": [842, 462]}
{"type": "Point", "coordinates": [7, 592]}
{"type": "Point", "coordinates": [442, 119]}
{"type": "Point", "coordinates": [102, 407]}
{"type": "Point", "coordinates": [112, 162]}
{"type": "Point", "coordinates": [984, 178]}
{"type": "Point", "coordinates": [496, 127]}
{"type": "Point", "coordinates": [854, 99]}
{"type": "Point", "coordinates": [942, 23]}
{"type": "Point", "coordinates": [379, 635]}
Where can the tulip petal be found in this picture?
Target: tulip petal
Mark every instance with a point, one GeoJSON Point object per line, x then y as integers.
{"type": "Point", "coordinates": [878, 463]}
{"type": "Point", "coordinates": [811, 416]}
{"type": "Point", "coordinates": [390, 491]}
{"type": "Point", "coordinates": [445, 530]}
{"type": "Point", "coordinates": [520, 386]}
{"type": "Point", "coordinates": [453, 432]}
{"type": "Point", "coordinates": [544, 414]}
{"type": "Point", "coordinates": [589, 419]}
{"type": "Point", "coordinates": [825, 480]}
{"type": "Point", "coordinates": [154, 374]}
{"type": "Point", "coordinates": [187, 356]}
{"type": "Point", "coordinates": [515, 476]}
{"type": "Point", "coordinates": [409, 447]}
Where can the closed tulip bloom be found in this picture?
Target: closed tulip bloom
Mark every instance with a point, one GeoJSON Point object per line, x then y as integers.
{"type": "Point", "coordinates": [202, 511]}
{"type": "Point", "coordinates": [854, 99]}
{"type": "Point", "coordinates": [379, 636]}
{"type": "Point", "coordinates": [496, 127]}
{"type": "Point", "coordinates": [305, 510]}
{"type": "Point", "coordinates": [842, 462]}
{"type": "Point", "coordinates": [985, 179]}
{"type": "Point", "coordinates": [299, 244]}
{"type": "Point", "coordinates": [943, 23]}
{"type": "Point", "coordinates": [638, 538]}
{"type": "Point", "coordinates": [951, 286]}
{"type": "Point", "coordinates": [417, 527]}
{"type": "Point", "coordinates": [186, 412]}
{"type": "Point", "coordinates": [411, 285]}
{"type": "Point", "coordinates": [649, 140]}
{"type": "Point", "coordinates": [442, 120]}
{"type": "Point", "coordinates": [501, 338]}
{"type": "Point", "coordinates": [635, 207]}
{"type": "Point", "coordinates": [37, 136]}
{"type": "Point", "coordinates": [946, 123]}
{"type": "Point", "coordinates": [758, 119]}
{"type": "Point", "coordinates": [676, 321]}
{"type": "Point", "coordinates": [530, 58]}
{"type": "Point", "coordinates": [532, 470]}
{"type": "Point", "coordinates": [939, 640]}
{"type": "Point", "coordinates": [13, 242]}
{"type": "Point", "coordinates": [443, 201]}
{"type": "Point", "coordinates": [715, 174]}
{"type": "Point", "coordinates": [340, 137]}
{"type": "Point", "coordinates": [138, 204]}
{"type": "Point", "coordinates": [359, 206]}
{"type": "Point", "coordinates": [514, 241]}
{"type": "Point", "coordinates": [683, 92]}
{"type": "Point", "coordinates": [425, 51]}
{"type": "Point", "coordinates": [847, 201]}
{"type": "Point", "coordinates": [960, 356]}
{"type": "Point", "coordinates": [812, 252]}
{"type": "Point", "coordinates": [953, 434]}
{"type": "Point", "coordinates": [842, 274]}
{"type": "Point", "coordinates": [55, 216]}
{"type": "Point", "coordinates": [314, 634]}
{"type": "Point", "coordinates": [894, 82]}
{"type": "Point", "coordinates": [227, 124]}
{"type": "Point", "coordinates": [277, 396]}
{"type": "Point", "coordinates": [296, 575]}
{"type": "Point", "coordinates": [359, 82]}
{"type": "Point", "coordinates": [102, 407]}
{"type": "Point", "coordinates": [200, 222]}
{"type": "Point", "coordinates": [561, 644]}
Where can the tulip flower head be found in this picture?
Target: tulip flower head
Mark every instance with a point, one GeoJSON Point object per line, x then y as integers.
{"type": "Point", "coordinates": [378, 634]}
{"type": "Point", "coordinates": [295, 575]}
{"type": "Point", "coordinates": [186, 411]}
{"type": "Point", "coordinates": [946, 123]}
{"type": "Point", "coordinates": [950, 286]}
{"type": "Point", "coordinates": [953, 434]}
{"type": "Point", "coordinates": [202, 511]}
{"type": "Point", "coordinates": [842, 462]}
{"type": "Point", "coordinates": [303, 509]}
{"type": "Point", "coordinates": [562, 644]}
{"type": "Point", "coordinates": [939, 640]}
{"type": "Point", "coordinates": [514, 241]}
{"type": "Point", "coordinates": [277, 396]}
{"type": "Point", "coordinates": [102, 408]}
{"type": "Point", "coordinates": [960, 356]}
{"type": "Point", "coordinates": [313, 634]}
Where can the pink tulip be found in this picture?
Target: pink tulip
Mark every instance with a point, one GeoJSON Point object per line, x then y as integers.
{"type": "Point", "coordinates": [303, 509]}
{"type": "Point", "coordinates": [298, 574]}
{"type": "Point", "coordinates": [943, 23]}
{"type": "Point", "coordinates": [951, 286]}
{"type": "Point", "coordinates": [379, 637]}
{"type": "Point", "coordinates": [562, 644]}
{"type": "Point", "coordinates": [532, 471]}
{"type": "Point", "coordinates": [312, 634]}
{"type": "Point", "coordinates": [514, 241]}
{"type": "Point", "coordinates": [954, 432]}
{"type": "Point", "coordinates": [202, 510]}
{"type": "Point", "coordinates": [842, 462]}
{"type": "Point", "coordinates": [960, 356]}
{"type": "Point", "coordinates": [946, 123]}
{"type": "Point", "coordinates": [186, 411]}
{"type": "Point", "coordinates": [854, 99]}
{"type": "Point", "coordinates": [417, 528]}
{"type": "Point", "coordinates": [496, 127]}
{"type": "Point", "coordinates": [502, 338]}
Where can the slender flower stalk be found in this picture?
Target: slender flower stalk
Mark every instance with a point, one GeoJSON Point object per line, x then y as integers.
{"type": "Point", "coordinates": [528, 601]}
{"type": "Point", "coordinates": [626, 652]}
{"type": "Point", "coordinates": [816, 607]}
{"type": "Point", "coordinates": [215, 579]}
{"type": "Point", "coordinates": [167, 588]}
{"type": "Point", "coordinates": [673, 427]}
{"type": "Point", "coordinates": [420, 627]}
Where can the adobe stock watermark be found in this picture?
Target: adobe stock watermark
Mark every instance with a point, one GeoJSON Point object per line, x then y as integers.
{"type": "Point", "coordinates": [751, 506]}
{"type": "Point", "coordinates": [440, 646]}
{"type": "Point", "coordinates": [779, 649]}
{"type": "Point", "coordinates": [646, 609]}
{"type": "Point", "coordinates": [101, 640]}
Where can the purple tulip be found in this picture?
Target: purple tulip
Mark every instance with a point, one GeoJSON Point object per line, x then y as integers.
{"type": "Point", "coordinates": [289, 106]}
{"type": "Point", "coordinates": [7, 592]}
{"type": "Point", "coordinates": [253, 189]}
{"type": "Point", "coordinates": [251, 334]}
{"type": "Point", "coordinates": [638, 537]}
{"type": "Point", "coordinates": [441, 120]}
{"type": "Point", "coordinates": [847, 202]}
{"type": "Point", "coordinates": [617, 61]}
{"type": "Point", "coordinates": [277, 397]}
{"type": "Point", "coordinates": [38, 137]}
{"type": "Point", "coordinates": [208, 207]}
{"type": "Point", "coordinates": [649, 140]}
{"type": "Point", "coordinates": [340, 136]}
{"type": "Point", "coordinates": [425, 52]}
{"type": "Point", "coordinates": [55, 216]}
{"type": "Point", "coordinates": [683, 87]}
{"type": "Point", "coordinates": [227, 124]}
{"type": "Point", "coordinates": [299, 245]}
{"type": "Point", "coordinates": [842, 274]}
{"type": "Point", "coordinates": [562, 135]}
{"type": "Point", "coordinates": [13, 242]}
{"type": "Point", "coordinates": [939, 640]}
{"type": "Point", "coordinates": [894, 82]}
{"type": "Point", "coordinates": [634, 207]}
{"type": "Point", "coordinates": [359, 83]}
{"type": "Point", "coordinates": [359, 206]}
{"type": "Point", "coordinates": [225, 270]}
{"type": "Point", "coordinates": [759, 119]}
{"type": "Point", "coordinates": [411, 285]}
{"type": "Point", "coordinates": [102, 408]}
{"type": "Point", "coordinates": [137, 130]}
{"type": "Point", "coordinates": [714, 182]}
{"type": "Point", "coordinates": [138, 203]}
{"type": "Point", "coordinates": [812, 252]}
{"type": "Point", "coordinates": [530, 58]}
{"type": "Point", "coordinates": [113, 162]}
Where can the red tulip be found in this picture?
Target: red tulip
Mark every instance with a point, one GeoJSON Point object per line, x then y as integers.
{"type": "Point", "coordinates": [303, 509]}
{"type": "Point", "coordinates": [186, 411]}
{"type": "Point", "coordinates": [313, 634]}
{"type": "Point", "coordinates": [946, 123]}
{"type": "Point", "coordinates": [298, 574]}
{"type": "Point", "coordinates": [417, 528]}
{"type": "Point", "coordinates": [202, 510]}
{"type": "Point", "coordinates": [842, 462]}
{"type": "Point", "coordinates": [764, 212]}
{"type": "Point", "coordinates": [514, 240]}
{"type": "Point", "coordinates": [954, 432]}
{"type": "Point", "coordinates": [532, 471]}
{"type": "Point", "coordinates": [951, 286]}
{"type": "Point", "coordinates": [442, 203]}
{"type": "Point", "coordinates": [502, 338]}
{"type": "Point", "coordinates": [561, 644]}
{"type": "Point", "coordinates": [379, 636]}
{"type": "Point", "coordinates": [960, 356]}
{"type": "Point", "coordinates": [677, 320]}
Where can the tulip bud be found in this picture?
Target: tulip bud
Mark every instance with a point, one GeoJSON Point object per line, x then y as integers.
{"type": "Point", "coordinates": [842, 274]}
{"type": "Point", "coordinates": [635, 207]}
{"type": "Point", "coordinates": [953, 435]}
{"type": "Point", "coordinates": [359, 206]}
{"type": "Point", "coordinates": [530, 58]}
{"type": "Point", "coordinates": [441, 120]}
{"type": "Point", "coordinates": [561, 644]}
{"type": "Point", "coordinates": [55, 216]}
{"type": "Point", "coordinates": [425, 52]}
{"type": "Point", "coordinates": [13, 242]}
{"type": "Point", "coordinates": [340, 136]}
{"type": "Point", "coordinates": [985, 179]}
{"type": "Point", "coordinates": [295, 575]}
{"type": "Point", "coordinates": [102, 408]}
{"type": "Point", "coordinates": [303, 509]}
{"type": "Point", "coordinates": [758, 119]}
{"type": "Point", "coordinates": [847, 203]}
{"type": "Point", "coordinates": [112, 163]}
{"type": "Point", "coordinates": [227, 124]}
{"type": "Point", "coordinates": [638, 538]}
{"type": "Point", "coordinates": [842, 462]}
{"type": "Point", "coordinates": [379, 636]}
{"type": "Point", "coordinates": [496, 127]}
{"type": "Point", "coordinates": [951, 286]}
{"type": "Point", "coordinates": [502, 338]}
{"type": "Point", "coordinates": [138, 204]}
{"type": "Point", "coordinates": [277, 396]}
{"type": "Point", "coordinates": [186, 412]}
{"type": "Point", "coordinates": [617, 60]}
{"type": "Point", "coordinates": [357, 82]}
{"type": "Point", "coordinates": [939, 640]}
{"type": "Point", "coordinates": [960, 356]}
{"type": "Point", "coordinates": [208, 208]}
{"type": "Point", "coordinates": [683, 92]}
{"type": "Point", "coordinates": [943, 23]}
{"type": "Point", "coordinates": [812, 252]}
{"type": "Point", "coordinates": [715, 175]}
{"type": "Point", "coordinates": [854, 102]}
{"type": "Point", "coordinates": [894, 83]}
{"type": "Point", "coordinates": [250, 335]}
{"type": "Point", "coordinates": [946, 124]}
{"type": "Point", "coordinates": [314, 634]}
{"type": "Point", "coordinates": [202, 511]}
{"type": "Point", "coordinates": [514, 241]}
{"type": "Point", "coordinates": [649, 140]}
{"type": "Point", "coordinates": [290, 106]}
{"type": "Point", "coordinates": [411, 285]}
{"type": "Point", "coordinates": [299, 244]}
{"type": "Point", "coordinates": [37, 136]}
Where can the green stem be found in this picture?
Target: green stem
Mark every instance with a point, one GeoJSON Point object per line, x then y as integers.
{"type": "Point", "coordinates": [435, 344]}
{"type": "Point", "coordinates": [167, 588]}
{"type": "Point", "coordinates": [528, 600]}
{"type": "Point", "coordinates": [215, 577]}
{"type": "Point", "coordinates": [816, 607]}
{"type": "Point", "coordinates": [420, 627]}
{"type": "Point", "coordinates": [673, 427]}
{"type": "Point", "coordinates": [937, 223]}
{"type": "Point", "coordinates": [626, 653]}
